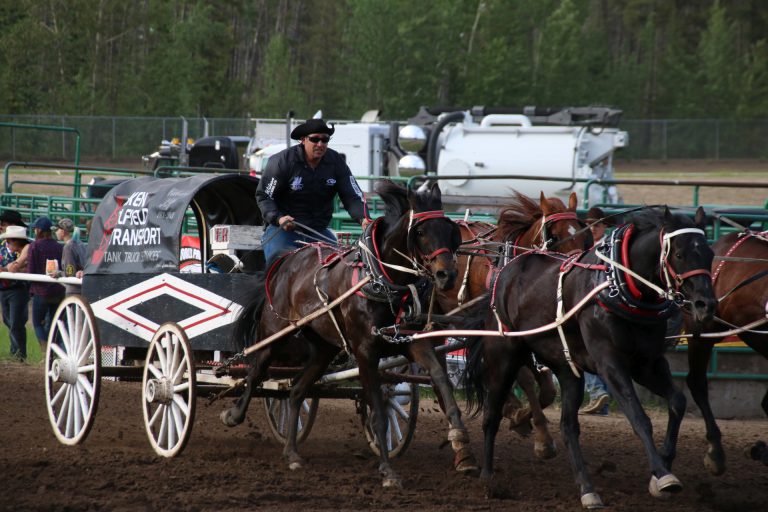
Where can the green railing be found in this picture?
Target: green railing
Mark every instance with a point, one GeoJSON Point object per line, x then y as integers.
{"type": "Point", "coordinates": [713, 372]}
{"type": "Point", "coordinates": [19, 126]}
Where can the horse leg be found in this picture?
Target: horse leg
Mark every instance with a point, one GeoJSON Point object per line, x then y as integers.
{"type": "Point", "coordinates": [659, 381]}
{"type": "Point", "coordinates": [663, 482]}
{"type": "Point", "coordinates": [423, 353]}
{"type": "Point", "coordinates": [499, 379]}
{"type": "Point", "coordinates": [370, 378]}
{"type": "Point", "coordinates": [699, 352]}
{"type": "Point", "coordinates": [572, 391]}
{"type": "Point", "coordinates": [235, 415]}
{"type": "Point", "coordinates": [320, 358]}
{"type": "Point", "coordinates": [544, 445]}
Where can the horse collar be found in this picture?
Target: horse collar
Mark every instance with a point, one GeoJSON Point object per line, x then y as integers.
{"type": "Point", "coordinates": [623, 297]}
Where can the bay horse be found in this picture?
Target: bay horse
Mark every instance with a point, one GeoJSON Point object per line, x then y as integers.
{"type": "Point", "coordinates": [647, 266]}
{"type": "Point", "coordinates": [405, 252]}
{"type": "Point", "coordinates": [525, 225]}
{"type": "Point", "coordinates": [743, 297]}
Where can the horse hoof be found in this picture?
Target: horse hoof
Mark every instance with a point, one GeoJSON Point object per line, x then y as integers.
{"type": "Point", "coordinates": [545, 451]}
{"type": "Point", "coordinates": [715, 468]}
{"type": "Point", "coordinates": [665, 486]}
{"type": "Point", "coordinates": [591, 501]}
{"type": "Point", "coordinates": [293, 466]}
{"type": "Point", "coordinates": [228, 418]}
{"type": "Point", "coordinates": [756, 451]}
{"type": "Point", "coordinates": [392, 482]}
{"type": "Point", "coordinates": [465, 463]}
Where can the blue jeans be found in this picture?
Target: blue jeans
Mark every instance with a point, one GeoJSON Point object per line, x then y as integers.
{"type": "Point", "coordinates": [43, 311]}
{"type": "Point", "coordinates": [594, 386]}
{"type": "Point", "coordinates": [276, 241]}
{"type": "Point", "coordinates": [15, 304]}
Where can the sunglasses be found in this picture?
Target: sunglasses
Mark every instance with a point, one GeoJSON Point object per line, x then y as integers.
{"type": "Point", "coordinates": [316, 140]}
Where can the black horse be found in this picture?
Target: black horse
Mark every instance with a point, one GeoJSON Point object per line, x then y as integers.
{"type": "Point", "coordinates": [613, 324]}
{"type": "Point", "coordinates": [408, 250]}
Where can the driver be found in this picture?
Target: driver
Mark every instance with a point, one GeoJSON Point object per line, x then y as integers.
{"type": "Point", "coordinates": [299, 186]}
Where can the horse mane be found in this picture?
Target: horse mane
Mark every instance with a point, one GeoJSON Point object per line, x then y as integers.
{"type": "Point", "coordinates": [518, 216]}
{"type": "Point", "coordinates": [395, 197]}
{"type": "Point", "coordinates": [651, 218]}
{"type": "Point", "coordinates": [398, 202]}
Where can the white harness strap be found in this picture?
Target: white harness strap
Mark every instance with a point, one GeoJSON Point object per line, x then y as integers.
{"type": "Point", "coordinates": [324, 299]}
{"type": "Point", "coordinates": [560, 319]}
{"type": "Point", "coordinates": [666, 245]}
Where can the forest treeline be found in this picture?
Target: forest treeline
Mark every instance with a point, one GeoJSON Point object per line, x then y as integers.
{"type": "Point", "coordinates": [261, 58]}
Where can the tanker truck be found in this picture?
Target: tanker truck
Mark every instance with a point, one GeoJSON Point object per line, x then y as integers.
{"type": "Point", "coordinates": [481, 154]}
{"type": "Point", "coordinates": [545, 150]}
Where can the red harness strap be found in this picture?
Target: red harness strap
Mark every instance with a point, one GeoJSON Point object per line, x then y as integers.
{"type": "Point", "coordinates": [730, 251]}
{"type": "Point", "coordinates": [631, 284]}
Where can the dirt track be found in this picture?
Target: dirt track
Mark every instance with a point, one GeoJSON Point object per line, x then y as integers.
{"type": "Point", "coordinates": [241, 469]}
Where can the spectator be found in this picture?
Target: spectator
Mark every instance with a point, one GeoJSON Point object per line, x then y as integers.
{"type": "Point", "coordinates": [45, 296]}
{"type": "Point", "coordinates": [73, 254]}
{"type": "Point", "coordinates": [14, 295]}
{"type": "Point", "coordinates": [594, 385]}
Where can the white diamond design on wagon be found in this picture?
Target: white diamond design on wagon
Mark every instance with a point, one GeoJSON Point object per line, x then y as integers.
{"type": "Point", "coordinates": [216, 311]}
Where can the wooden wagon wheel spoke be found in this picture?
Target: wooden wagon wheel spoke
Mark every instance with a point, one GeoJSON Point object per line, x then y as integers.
{"type": "Point", "coordinates": [72, 371]}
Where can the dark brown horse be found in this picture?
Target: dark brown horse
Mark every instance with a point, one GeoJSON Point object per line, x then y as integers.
{"type": "Point", "coordinates": [613, 323]}
{"type": "Point", "coordinates": [742, 292]}
{"type": "Point", "coordinates": [408, 249]}
{"type": "Point", "coordinates": [525, 225]}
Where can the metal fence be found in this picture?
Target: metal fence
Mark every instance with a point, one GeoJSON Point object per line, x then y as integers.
{"type": "Point", "coordinates": [127, 138]}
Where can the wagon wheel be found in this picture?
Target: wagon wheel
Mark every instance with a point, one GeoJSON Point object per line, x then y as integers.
{"type": "Point", "coordinates": [72, 370]}
{"type": "Point", "coordinates": [168, 390]}
{"type": "Point", "coordinates": [401, 407]}
{"type": "Point", "coordinates": [277, 416]}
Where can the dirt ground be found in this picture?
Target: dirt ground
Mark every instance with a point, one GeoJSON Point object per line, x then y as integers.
{"type": "Point", "coordinates": [225, 469]}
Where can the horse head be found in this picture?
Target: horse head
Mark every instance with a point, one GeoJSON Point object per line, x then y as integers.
{"type": "Point", "coordinates": [561, 228]}
{"type": "Point", "coordinates": [415, 229]}
{"type": "Point", "coordinates": [433, 238]}
{"type": "Point", "coordinates": [686, 260]}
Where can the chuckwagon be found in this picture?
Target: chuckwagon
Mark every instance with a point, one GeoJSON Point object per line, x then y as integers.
{"type": "Point", "coordinates": [169, 261]}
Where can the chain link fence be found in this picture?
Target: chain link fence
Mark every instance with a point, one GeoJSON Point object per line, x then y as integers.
{"type": "Point", "coordinates": [128, 138]}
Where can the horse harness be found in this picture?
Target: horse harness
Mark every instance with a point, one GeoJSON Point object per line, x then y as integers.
{"type": "Point", "coordinates": [619, 292]}
{"type": "Point", "coordinates": [405, 301]}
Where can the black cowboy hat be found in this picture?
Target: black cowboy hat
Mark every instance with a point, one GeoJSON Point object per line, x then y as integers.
{"type": "Point", "coordinates": [12, 217]}
{"type": "Point", "coordinates": [311, 126]}
{"type": "Point", "coordinates": [596, 214]}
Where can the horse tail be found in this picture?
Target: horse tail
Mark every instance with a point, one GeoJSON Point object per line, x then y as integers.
{"type": "Point", "coordinates": [472, 378]}
{"type": "Point", "coordinates": [247, 322]}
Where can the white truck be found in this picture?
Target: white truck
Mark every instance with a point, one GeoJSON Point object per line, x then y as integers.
{"type": "Point", "coordinates": [483, 153]}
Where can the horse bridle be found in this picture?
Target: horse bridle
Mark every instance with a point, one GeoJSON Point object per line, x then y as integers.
{"type": "Point", "coordinates": [417, 218]}
{"type": "Point", "coordinates": [668, 272]}
{"type": "Point", "coordinates": [548, 220]}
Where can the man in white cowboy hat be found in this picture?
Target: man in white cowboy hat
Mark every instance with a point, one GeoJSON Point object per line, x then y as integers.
{"type": "Point", "coordinates": [14, 295]}
{"type": "Point", "coordinates": [298, 187]}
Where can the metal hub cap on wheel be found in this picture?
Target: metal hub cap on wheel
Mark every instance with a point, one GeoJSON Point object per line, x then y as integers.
{"type": "Point", "coordinates": [64, 371]}
{"type": "Point", "coordinates": [159, 391]}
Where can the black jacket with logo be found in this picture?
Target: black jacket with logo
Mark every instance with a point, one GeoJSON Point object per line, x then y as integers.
{"type": "Point", "coordinates": [289, 186]}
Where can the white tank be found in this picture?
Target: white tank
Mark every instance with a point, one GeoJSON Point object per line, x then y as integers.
{"type": "Point", "coordinates": [508, 144]}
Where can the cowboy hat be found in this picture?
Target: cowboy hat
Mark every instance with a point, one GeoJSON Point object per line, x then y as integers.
{"type": "Point", "coordinates": [15, 233]}
{"type": "Point", "coordinates": [12, 217]}
{"type": "Point", "coordinates": [596, 214]}
{"type": "Point", "coordinates": [311, 126]}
